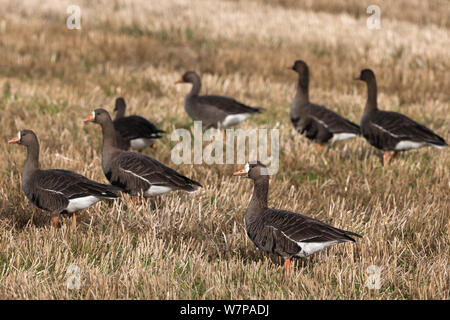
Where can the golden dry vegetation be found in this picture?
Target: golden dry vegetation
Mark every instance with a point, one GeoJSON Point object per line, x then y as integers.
{"type": "Point", "coordinates": [195, 246]}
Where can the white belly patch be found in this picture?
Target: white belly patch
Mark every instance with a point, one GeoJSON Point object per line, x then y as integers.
{"type": "Point", "coordinates": [308, 248]}
{"type": "Point", "coordinates": [140, 143]}
{"type": "Point", "coordinates": [235, 119]}
{"type": "Point", "coordinates": [342, 136]}
{"type": "Point", "coordinates": [156, 190]}
{"type": "Point", "coordinates": [81, 203]}
{"type": "Point", "coordinates": [405, 145]}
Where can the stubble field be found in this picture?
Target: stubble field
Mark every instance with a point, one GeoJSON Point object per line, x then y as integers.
{"type": "Point", "coordinates": [194, 246]}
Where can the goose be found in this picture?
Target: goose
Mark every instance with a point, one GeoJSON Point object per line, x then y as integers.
{"type": "Point", "coordinates": [133, 131]}
{"type": "Point", "coordinates": [286, 233]}
{"type": "Point", "coordinates": [318, 123]}
{"type": "Point", "coordinates": [391, 131]}
{"type": "Point", "coordinates": [214, 111]}
{"type": "Point", "coordinates": [133, 172]}
{"type": "Point", "coordinates": [55, 190]}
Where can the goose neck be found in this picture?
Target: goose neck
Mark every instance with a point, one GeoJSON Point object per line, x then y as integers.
{"type": "Point", "coordinates": [371, 104]}
{"type": "Point", "coordinates": [260, 194]}
{"type": "Point", "coordinates": [32, 161]}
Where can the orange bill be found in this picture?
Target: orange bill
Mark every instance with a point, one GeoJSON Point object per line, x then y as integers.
{"type": "Point", "coordinates": [240, 173]}
{"type": "Point", "coordinates": [89, 118]}
{"type": "Point", "coordinates": [179, 81]}
{"type": "Point", "coordinates": [14, 140]}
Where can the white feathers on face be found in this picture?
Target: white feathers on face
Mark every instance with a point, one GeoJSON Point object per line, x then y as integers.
{"type": "Point", "coordinates": [93, 115]}
{"type": "Point", "coordinates": [263, 171]}
{"type": "Point", "coordinates": [19, 135]}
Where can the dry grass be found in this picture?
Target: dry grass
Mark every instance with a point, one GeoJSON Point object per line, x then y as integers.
{"type": "Point", "coordinates": [195, 246]}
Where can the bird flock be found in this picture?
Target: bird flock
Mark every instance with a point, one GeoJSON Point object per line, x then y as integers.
{"type": "Point", "coordinates": [281, 232]}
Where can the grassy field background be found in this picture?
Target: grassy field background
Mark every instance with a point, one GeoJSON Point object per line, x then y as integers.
{"type": "Point", "coordinates": [195, 246]}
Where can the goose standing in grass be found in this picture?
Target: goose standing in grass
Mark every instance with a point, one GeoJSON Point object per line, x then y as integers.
{"type": "Point", "coordinates": [285, 233]}
{"type": "Point", "coordinates": [57, 191]}
{"type": "Point", "coordinates": [318, 123]}
{"type": "Point", "coordinates": [392, 131]}
{"type": "Point", "coordinates": [134, 131]}
{"type": "Point", "coordinates": [136, 173]}
{"type": "Point", "coordinates": [214, 111]}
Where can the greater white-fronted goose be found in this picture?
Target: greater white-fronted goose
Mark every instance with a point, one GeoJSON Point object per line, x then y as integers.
{"type": "Point", "coordinates": [136, 173]}
{"type": "Point", "coordinates": [285, 233]}
{"type": "Point", "coordinates": [318, 123]}
{"type": "Point", "coordinates": [392, 131]}
{"type": "Point", "coordinates": [214, 111]}
{"type": "Point", "coordinates": [57, 191]}
{"type": "Point", "coordinates": [134, 131]}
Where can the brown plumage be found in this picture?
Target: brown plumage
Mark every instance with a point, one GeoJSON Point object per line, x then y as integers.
{"type": "Point", "coordinates": [133, 131]}
{"type": "Point", "coordinates": [214, 111]}
{"type": "Point", "coordinates": [282, 232]}
{"type": "Point", "coordinates": [316, 122]}
{"type": "Point", "coordinates": [392, 131]}
{"type": "Point", "coordinates": [136, 173]}
{"type": "Point", "coordinates": [57, 191]}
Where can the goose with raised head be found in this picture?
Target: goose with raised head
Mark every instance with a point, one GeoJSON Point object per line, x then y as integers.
{"type": "Point", "coordinates": [317, 123]}
{"type": "Point", "coordinates": [391, 131]}
{"type": "Point", "coordinates": [54, 190]}
{"type": "Point", "coordinates": [286, 233]}
{"type": "Point", "coordinates": [136, 173]}
{"type": "Point", "coordinates": [214, 111]}
{"type": "Point", "coordinates": [133, 131]}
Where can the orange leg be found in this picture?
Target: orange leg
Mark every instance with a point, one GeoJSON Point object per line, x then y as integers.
{"type": "Point", "coordinates": [153, 146]}
{"type": "Point", "coordinates": [319, 147]}
{"type": "Point", "coordinates": [386, 159]}
{"type": "Point", "coordinates": [74, 221]}
{"type": "Point", "coordinates": [394, 156]}
{"type": "Point", "coordinates": [287, 266]}
{"type": "Point", "coordinates": [55, 221]}
{"type": "Point", "coordinates": [134, 200]}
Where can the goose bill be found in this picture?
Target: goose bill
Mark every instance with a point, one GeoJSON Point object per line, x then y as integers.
{"type": "Point", "coordinates": [91, 117]}
{"type": "Point", "coordinates": [14, 140]}
{"type": "Point", "coordinates": [179, 81]}
{"type": "Point", "coordinates": [240, 173]}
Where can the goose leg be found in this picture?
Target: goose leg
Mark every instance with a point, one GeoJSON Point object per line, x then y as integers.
{"type": "Point", "coordinates": [74, 221]}
{"type": "Point", "coordinates": [386, 159]}
{"type": "Point", "coordinates": [55, 221]}
{"type": "Point", "coordinates": [222, 130]}
{"type": "Point", "coordinates": [153, 146]}
{"type": "Point", "coordinates": [287, 266]}
{"type": "Point", "coordinates": [319, 147]}
{"type": "Point", "coordinates": [134, 200]}
{"type": "Point", "coordinates": [394, 156]}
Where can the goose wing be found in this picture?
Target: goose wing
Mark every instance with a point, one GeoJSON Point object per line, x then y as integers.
{"type": "Point", "coordinates": [133, 171]}
{"type": "Point", "coordinates": [401, 127]}
{"type": "Point", "coordinates": [299, 228]}
{"type": "Point", "coordinates": [52, 189]}
{"type": "Point", "coordinates": [332, 121]}
{"type": "Point", "coordinates": [134, 127]}
{"type": "Point", "coordinates": [226, 105]}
